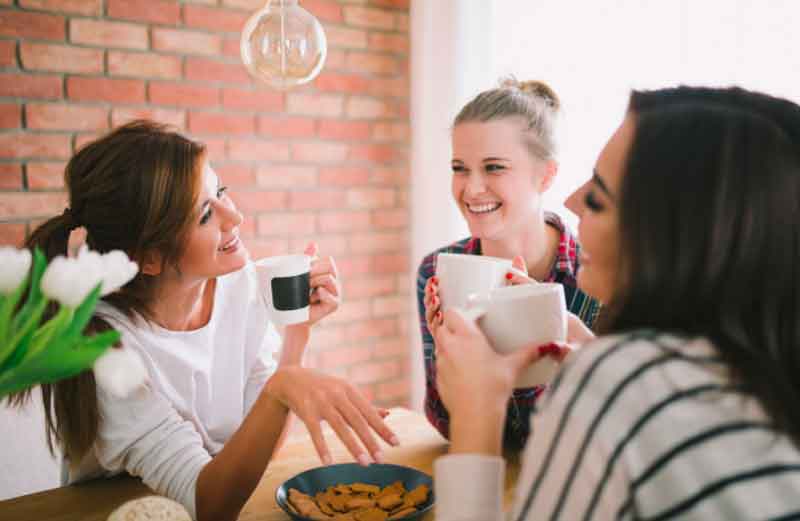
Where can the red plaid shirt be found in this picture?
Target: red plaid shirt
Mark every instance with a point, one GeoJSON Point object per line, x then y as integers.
{"type": "Point", "coordinates": [522, 402]}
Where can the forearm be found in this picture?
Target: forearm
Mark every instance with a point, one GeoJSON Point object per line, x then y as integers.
{"type": "Point", "coordinates": [484, 436]}
{"type": "Point", "coordinates": [226, 482]}
{"type": "Point", "coordinates": [295, 340]}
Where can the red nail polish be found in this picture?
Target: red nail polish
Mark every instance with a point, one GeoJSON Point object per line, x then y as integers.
{"type": "Point", "coordinates": [434, 280]}
{"type": "Point", "coordinates": [509, 276]}
{"type": "Point", "coordinates": [549, 349]}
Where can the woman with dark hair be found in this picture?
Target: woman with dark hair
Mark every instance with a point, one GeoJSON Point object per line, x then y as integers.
{"type": "Point", "coordinates": [221, 379]}
{"type": "Point", "coordinates": [686, 406]}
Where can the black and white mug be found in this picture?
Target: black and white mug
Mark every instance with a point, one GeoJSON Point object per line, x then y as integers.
{"type": "Point", "coordinates": [284, 284]}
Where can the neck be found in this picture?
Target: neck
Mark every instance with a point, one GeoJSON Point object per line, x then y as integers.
{"type": "Point", "coordinates": [182, 306]}
{"type": "Point", "coordinates": [537, 243]}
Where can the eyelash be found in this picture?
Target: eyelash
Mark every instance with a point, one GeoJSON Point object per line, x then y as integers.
{"type": "Point", "coordinates": [490, 168]}
{"type": "Point", "coordinates": [206, 216]}
{"type": "Point", "coordinates": [592, 203]}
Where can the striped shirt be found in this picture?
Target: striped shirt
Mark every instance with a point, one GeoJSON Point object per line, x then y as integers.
{"type": "Point", "coordinates": [521, 404]}
{"type": "Point", "coordinates": [640, 426]}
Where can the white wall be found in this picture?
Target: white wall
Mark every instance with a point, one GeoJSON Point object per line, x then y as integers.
{"type": "Point", "coordinates": [26, 466]}
{"type": "Point", "coordinates": [593, 53]}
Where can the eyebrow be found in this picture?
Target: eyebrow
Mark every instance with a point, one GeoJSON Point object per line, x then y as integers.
{"type": "Point", "coordinates": [208, 201]}
{"type": "Point", "coordinates": [488, 159]}
{"type": "Point", "coordinates": [600, 183]}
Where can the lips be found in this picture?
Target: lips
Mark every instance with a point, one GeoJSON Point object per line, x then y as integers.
{"type": "Point", "coordinates": [230, 245]}
{"type": "Point", "coordinates": [483, 208]}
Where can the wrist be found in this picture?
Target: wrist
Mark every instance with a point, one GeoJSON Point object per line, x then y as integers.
{"type": "Point", "coordinates": [295, 340]}
{"type": "Point", "coordinates": [479, 432]}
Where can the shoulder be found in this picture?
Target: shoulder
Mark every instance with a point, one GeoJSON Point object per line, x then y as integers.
{"type": "Point", "coordinates": [428, 265]}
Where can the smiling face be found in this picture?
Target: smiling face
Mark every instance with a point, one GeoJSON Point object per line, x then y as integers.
{"type": "Point", "coordinates": [497, 183]}
{"type": "Point", "coordinates": [213, 247]}
{"type": "Point", "coordinates": [596, 204]}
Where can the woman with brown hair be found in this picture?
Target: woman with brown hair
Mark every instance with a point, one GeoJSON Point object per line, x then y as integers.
{"type": "Point", "coordinates": [205, 427]}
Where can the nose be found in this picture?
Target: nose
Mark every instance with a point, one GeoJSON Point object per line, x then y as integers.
{"type": "Point", "coordinates": [476, 184]}
{"type": "Point", "coordinates": [231, 217]}
{"type": "Point", "coordinates": [574, 202]}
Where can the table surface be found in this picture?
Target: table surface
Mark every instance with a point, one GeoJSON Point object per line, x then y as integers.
{"type": "Point", "coordinates": [420, 445]}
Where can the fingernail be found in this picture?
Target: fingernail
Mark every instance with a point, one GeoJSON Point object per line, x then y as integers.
{"type": "Point", "coordinates": [435, 300]}
{"type": "Point", "coordinates": [363, 460]}
{"type": "Point", "coordinates": [434, 280]}
{"type": "Point", "coordinates": [439, 314]}
{"type": "Point", "coordinates": [394, 441]}
{"type": "Point", "coordinates": [326, 459]}
{"type": "Point", "coordinates": [549, 349]}
{"type": "Point", "coordinates": [509, 276]}
{"type": "Point", "coordinates": [378, 456]}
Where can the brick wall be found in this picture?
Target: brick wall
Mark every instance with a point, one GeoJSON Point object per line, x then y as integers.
{"type": "Point", "coordinates": [327, 162]}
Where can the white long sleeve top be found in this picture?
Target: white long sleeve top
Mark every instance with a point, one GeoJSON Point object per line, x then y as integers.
{"type": "Point", "coordinates": [202, 385]}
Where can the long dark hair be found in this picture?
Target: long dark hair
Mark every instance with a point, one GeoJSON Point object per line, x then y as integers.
{"type": "Point", "coordinates": [133, 189]}
{"type": "Point", "coordinates": [709, 213]}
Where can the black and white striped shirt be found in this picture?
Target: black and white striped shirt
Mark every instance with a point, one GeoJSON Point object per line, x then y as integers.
{"type": "Point", "coordinates": [641, 426]}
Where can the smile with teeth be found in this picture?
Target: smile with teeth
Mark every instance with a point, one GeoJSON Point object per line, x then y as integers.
{"type": "Point", "coordinates": [229, 245]}
{"type": "Point", "coordinates": [483, 207]}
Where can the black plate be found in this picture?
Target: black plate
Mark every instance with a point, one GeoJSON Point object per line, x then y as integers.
{"type": "Point", "coordinates": [382, 474]}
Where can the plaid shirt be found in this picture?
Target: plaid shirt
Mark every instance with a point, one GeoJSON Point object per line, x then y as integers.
{"type": "Point", "coordinates": [521, 403]}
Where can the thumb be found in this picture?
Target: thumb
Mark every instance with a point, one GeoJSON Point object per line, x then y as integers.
{"type": "Point", "coordinates": [456, 322]}
{"type": "Point", "coordinates": [311, 249]}
{"type": "Point", "coordinates": [519, 263]}
{"type": "Point", "coordinates": [524, 357]}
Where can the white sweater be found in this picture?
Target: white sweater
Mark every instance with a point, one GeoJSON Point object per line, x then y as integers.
{"type": "Point", "coordinates": [641, 426]}
{"type": "Point", "coordinates": [202, 385]}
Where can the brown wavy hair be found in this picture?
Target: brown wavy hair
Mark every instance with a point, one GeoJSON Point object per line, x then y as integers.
{"type": "Point", "coordinates": [134, 190]}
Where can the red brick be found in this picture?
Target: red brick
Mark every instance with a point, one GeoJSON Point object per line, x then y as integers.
{"type": "Point", "coordinates": [343, 221]}
{"type": "Point", "coordinates": [374, 153]}
{"type": "Point", "coordinates": [286, 176]}
{"type": "Point", "coordinates": [344, 130]}
{"type": "Point", "coordinates": [351, 311]}
{"type": "Point", "coordinates": [52, 116]}
{"type": "Point", "coordinates": [10, 115]}
{"type": "Point", "coordinates": [391, 305]}
{"type": "Point", "coordinates": [343, 176]}
{"type": "Point", "coordinates": [389, 263]}
{"type": "Point", "coordinates": [323, 199]}
{"type": "Point", "coordinates": [262, 101]}
{"type": "Point", "coordinates": [204, 69]}
{"type": "Point", "coordinates": [164, 93]}
{"type": "Point", "coordinates": [231, 47]}
{"type": "Point", "coordinates": [319, 152]}
{"type": "Point", "coordinates": [45, 175]}
{"type": "Point", "coordinates": [86, 7]}
{"type": "Point", "coordinates": [402, 23]}
{"type": "Point", "coordinates": [15, 85]}
{"type": "Point", "coordinates": [328, 105]}
{"type": "Point", "coordinates": [247, 228]}
{"type": "Point", "coordinates": [397, 87]}
{"type": "Point", "coordinates": [334, 245]}
{"type": "Point", "coordinates": [333, 82]}
{"type": "Point", "coordinates": [395, 218]}
{"type": "Point", "coordinates": [152, 11]}
{"type": "Point", "coordinates": [346, 37]}
{"type": "Point", "coordinates": [85, 138]}
{"type": "Point", "coordinates": [107, 34]}
{"type": "Point", "coordinates": [286, 127]}
{"type": "Point", "coordinates": [374, 372]}
{"type": "Point", "coordinates": [345, 356]}
{"type": "Point", "coordinates": [176, 118]}
{"type": "Point", "coordinates": [236, 175]}
{"type": "Point", "coordinates": [40, 204]}
{"type": "Point", "coordinates": [147, 65]}
{"type": "Point", "coordinates": [260, 248]}
{"type": "Point", "coordinates": [12, 234]}
{"type": "Point", "coordinates": [10, 176]}
{"type": "Point", "coordinates": [8, 53]}
{"type": "Point", "coordinates": [360, 107]}
{"type": "Point", "coordinates": [214, 18]}
{"type": "Point", "coordinates": [256, 202]}
{"type": "Point", "coordinates": [39, 26]}
{"type": "Point", "coordinates": [389, 176]}
{"type": "Point", "coordinates": [186, 42]}
{"type": "Point", "coordinates": [105, 89]}
{"type": "Point", "coordinates": [324, 10]}
{"type": "Point", "coordinates": [360, 287]}
{"type": "Point", "coordinates": [216, 148]}
{"type": "Point", "coordinates": [368, 17]}
{"type": "Point", "coordinates": [221, 123]}
{"type": "Point", "coordinates": [336, 59]}
{"type": "Point", "coordinates": [50, 57]}
{"type": "Point", "coordinates": [256, 150]}
{"type": "Point", "coordinates": [397, 4]}
{"type": "Point", "coordinates": [352, 266]}
{"type": "Point", "coordinates": [250, 5]}
{"type": "Point", "coordinates": [396, 43]}
{"type": "Point", "coordinates": [378, 242]}
{"type": "Point", "coordinates": [372, 63]}
{"type": "Point", "coordinates": [371, 198]}
{"type": "Point", "coordinates": [391, 132]}
{"type": "Point", "coordinates": [20, 145]}
{"type": "Point", "coordinates": [394, 390]}
{"type": "Point", "coordinates": [287, 224]}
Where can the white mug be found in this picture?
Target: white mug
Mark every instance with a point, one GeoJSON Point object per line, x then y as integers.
{"type": "Point", "coordinates": [284, 284]}
{"type": "Point", "coordinates": [512, 317]}
{"type": "Point", "coordinates": [461, 275]}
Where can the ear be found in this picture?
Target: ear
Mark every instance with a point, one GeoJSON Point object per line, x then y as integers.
{"type": "Point", "coordinates": [151, 263]}
{"type": "Point", "coordinates": [550, 172]}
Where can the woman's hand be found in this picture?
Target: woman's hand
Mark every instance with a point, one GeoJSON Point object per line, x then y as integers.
{"type": "Point", "coordinates": [433, 305]}
{"type": "Point", "coordinates": [577, 331]}
{"type": "Point", "coordinates": [315, 397]}
{"type": "Point", "coordinates": [325, 291]}
{"type": "Point", "coordinates": [518, 274]}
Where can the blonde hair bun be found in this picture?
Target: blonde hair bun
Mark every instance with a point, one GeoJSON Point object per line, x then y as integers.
{"type": "Point", "coordinates": [535, 88]}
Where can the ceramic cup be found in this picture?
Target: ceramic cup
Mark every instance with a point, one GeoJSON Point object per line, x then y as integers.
{"type": "Point", "coordinates": [284, 286]}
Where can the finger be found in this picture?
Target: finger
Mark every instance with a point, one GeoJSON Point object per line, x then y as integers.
{"type": "Point", "coordinates": [311, 249]}
{"type": "Point", "coordinates": [522, 358]}
{"type": "Point", "coordinates": [326, 298]}
{"type": "Point", "coordinates": [454, 321]}
{"type": "Point", "coordinates": [342, 430]}
{"type": "Point", "coordinates": [359, 425]}
{"type": "Point", "coordinates": [374, 417]}
{"type": "Point", "coordinates": [327, 281]}
{"type": "Point", "coordinates": [515, 277]}
{"type": "Point", "coordinates": [383, 413]}
{"type": "Point", "coordinates": [519, 263]}
{"type": "Point", "coordinates": [315, 430]}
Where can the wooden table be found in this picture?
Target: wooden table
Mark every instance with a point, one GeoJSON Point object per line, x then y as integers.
{"type": "Point", "coordinates": [420, 445]}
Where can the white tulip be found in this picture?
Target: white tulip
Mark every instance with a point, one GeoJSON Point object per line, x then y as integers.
{"type": "Point", "coordinates": [120, 371]}
{"type": "Point", "coordinates": [118, 270]}
{"type": "Point", "coordinates": [14, 267]}
{"type": "Point", "coordinates": [69, 282]}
